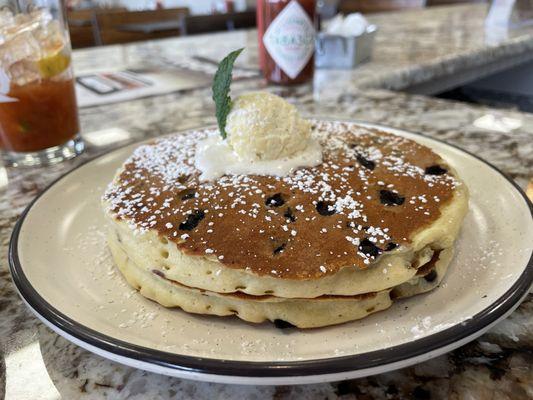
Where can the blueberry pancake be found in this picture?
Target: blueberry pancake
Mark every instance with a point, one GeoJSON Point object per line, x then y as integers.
{"type": "Point", "coordinates": [284, 312]}
{"type": "Point", "coordinates": [375, 220]}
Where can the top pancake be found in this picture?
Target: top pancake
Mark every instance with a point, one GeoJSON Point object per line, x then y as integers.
{"type": "Point", "coordinates": [372, 193]}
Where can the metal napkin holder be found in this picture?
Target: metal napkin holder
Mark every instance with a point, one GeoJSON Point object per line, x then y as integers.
{"type": "Point", "coordinates": [335, 51]}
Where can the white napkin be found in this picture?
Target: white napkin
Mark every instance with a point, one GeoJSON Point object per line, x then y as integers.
{"type": "Point", "coordinates": [351, 25]}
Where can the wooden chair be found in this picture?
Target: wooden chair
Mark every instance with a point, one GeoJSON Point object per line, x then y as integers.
{"type": "Point", "coordinates": [374, 6]}
{"type": "Point", "coordinates": [82, 28]}
{"type": "Point", "coordinates": [130, 26]}
{"type": "Point", "coordinates": [196, 24]}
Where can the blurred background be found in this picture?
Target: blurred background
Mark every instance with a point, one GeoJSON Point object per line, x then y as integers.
{"type": "Point", "coordinates": [104, 22]}
{"type": "Point", "coordinates": [98, 22]}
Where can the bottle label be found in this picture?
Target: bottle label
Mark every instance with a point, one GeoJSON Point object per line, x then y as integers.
{"type": "Point", "coordinates": [290, 39]}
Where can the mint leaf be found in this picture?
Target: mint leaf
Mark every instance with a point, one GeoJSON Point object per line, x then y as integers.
{"type": "Point", "coordinates": [221, 87]}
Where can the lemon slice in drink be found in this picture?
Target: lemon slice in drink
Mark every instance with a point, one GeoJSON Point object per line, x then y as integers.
{"type": "Point", "coordinates": [53, 65]}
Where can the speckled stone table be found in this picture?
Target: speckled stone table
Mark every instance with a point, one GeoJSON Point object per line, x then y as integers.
{"type": "Point", "coordinates": [36, 363]}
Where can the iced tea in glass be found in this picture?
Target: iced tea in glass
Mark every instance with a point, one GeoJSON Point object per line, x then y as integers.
{"type": "Point", "coordinates": [38, 112]}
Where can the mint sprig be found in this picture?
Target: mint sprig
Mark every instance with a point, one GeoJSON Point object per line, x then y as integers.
{"type": "Point", "coordinates": [221, 88]}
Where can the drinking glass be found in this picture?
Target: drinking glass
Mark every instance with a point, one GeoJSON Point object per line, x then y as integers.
{"type": "Point", "coordinates": [38, 112]}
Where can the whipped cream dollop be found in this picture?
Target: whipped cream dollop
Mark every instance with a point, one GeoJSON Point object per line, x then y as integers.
{"type": "Point", "coordinates": [215, 158]}
{"type": "Point", "coordinates": [263, 126]}
{"type": "Point", "coordinates": [265, 136]}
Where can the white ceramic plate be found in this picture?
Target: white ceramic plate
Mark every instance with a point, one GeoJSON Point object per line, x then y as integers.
{"type": "Point", "coordinates": [61, 267]}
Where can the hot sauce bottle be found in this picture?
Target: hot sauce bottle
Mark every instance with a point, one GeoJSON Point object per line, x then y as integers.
{"type": "Point", "coordinates": [286, 40]}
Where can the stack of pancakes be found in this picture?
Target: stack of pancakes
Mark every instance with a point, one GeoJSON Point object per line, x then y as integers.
{"type": "Point", "coordinates": [376, 221]}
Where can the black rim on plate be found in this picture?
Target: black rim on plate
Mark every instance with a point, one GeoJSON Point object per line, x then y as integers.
{"type": "Point", "coordinates": [259, 369]}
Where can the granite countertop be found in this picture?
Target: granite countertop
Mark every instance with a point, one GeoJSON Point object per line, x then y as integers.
{"type": "Point", "coordinates": [36, 363]}
{"type": "Point", "coordinates": [411, 48]}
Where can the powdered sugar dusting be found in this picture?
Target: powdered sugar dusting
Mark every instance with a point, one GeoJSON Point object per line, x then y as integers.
{"type": "Point", "coordinates": [368, 185]}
